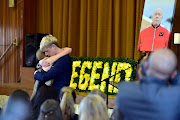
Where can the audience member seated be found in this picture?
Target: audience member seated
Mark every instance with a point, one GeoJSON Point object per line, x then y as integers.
{"type": "Point", "coordinates": [44, 93]}
{"type": "Point", "coordinates": [93, 107]}
{"type": "Point", "coordinates": [152, 98]}
{"type": "Point", "coordinates": [50, 110]}
{"type": "Point", "coordinates": [98, 92]}
{"type": "Point", "coordinates": [18, 106]}
{"type": "Point", "coordinates": [67, 98]}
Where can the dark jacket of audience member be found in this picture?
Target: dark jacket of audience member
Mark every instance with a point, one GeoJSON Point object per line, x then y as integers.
{"type": "Point", "coordinates": [175, 80]}
{"type": "Point", "coordinates": [44, 93]}
{"type": "Point", "coordinates": [18, 106]}
{"type": "Point", "coordinates": [0, 111]}
{"type": "Point", "coordinates": [50, 110]}
{"type": "Point", "coordinates": [68, 97]}
{"type": "Point", "coordinates": [116, 114]}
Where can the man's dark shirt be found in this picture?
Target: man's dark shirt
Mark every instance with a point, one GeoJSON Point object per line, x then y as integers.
{"type": "Point", "coordinates": [60, 71]}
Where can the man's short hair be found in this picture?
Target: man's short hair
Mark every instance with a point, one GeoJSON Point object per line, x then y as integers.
{"type": "Point", "coordinates": [47, 41]}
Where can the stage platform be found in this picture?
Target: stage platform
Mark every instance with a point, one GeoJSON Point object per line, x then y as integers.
{"type": "Point", "coordinates": [7, 88]}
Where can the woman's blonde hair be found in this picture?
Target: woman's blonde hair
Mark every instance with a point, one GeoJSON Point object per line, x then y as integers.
{"type": "Point", "coordinates": [47, 41]}
{"type": "Point", "coordinates": [40, 55]}
{"type": "Point", "coordinates": [93, 107]}
{"type": "Point", "coordinates": [98, 92]}
{"type": "Point", "coordinates": [67, 96]}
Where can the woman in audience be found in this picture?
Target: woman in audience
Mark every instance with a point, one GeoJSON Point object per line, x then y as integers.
{"type": "Point", "coordinates": [44, 93]}
{"type": "Point", "coordinates": [93, 107]}
{"type": "Point", "coordinates": [67, 98]}
{"type": "Point", "coordinates": [98, 92]}
{"type": "Point", "coordinates": [18, 106]}
{"type": "Point", "coordinates": [50, 110]}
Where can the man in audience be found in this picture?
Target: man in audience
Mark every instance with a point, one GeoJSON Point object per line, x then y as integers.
{"type": "Point", "coordinates": [152, 98]}
{"type": "Point", "coordinates": [61, 70]}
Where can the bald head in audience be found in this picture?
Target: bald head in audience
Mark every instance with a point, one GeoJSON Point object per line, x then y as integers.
{"type": "Point", "coordinates": [162, 64]}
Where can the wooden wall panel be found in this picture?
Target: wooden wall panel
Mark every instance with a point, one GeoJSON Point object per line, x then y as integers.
{"type": "Point", "coordinates": [13, 21]}
{"type": "Point", "coordinates": [11, 26]}
{"type": "Point", "coordinates": [29, 26]}
{"type": "Point", "coordinates": [1, 34]}
{"type": "Point", "coordinates": [176, 29]}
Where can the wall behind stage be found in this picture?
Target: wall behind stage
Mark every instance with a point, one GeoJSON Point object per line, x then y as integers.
{"type": "Point", "coordinates": [106, 28]}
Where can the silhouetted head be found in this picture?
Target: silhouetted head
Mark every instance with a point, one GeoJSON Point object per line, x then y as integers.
{"type": "Point", "coordinates": [18, 106]}
{"type": "Point", "coordinates": [50, 110]}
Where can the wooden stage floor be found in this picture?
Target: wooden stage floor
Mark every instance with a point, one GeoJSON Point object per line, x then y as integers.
{"type": "Point", "coordinates": [7, 88]}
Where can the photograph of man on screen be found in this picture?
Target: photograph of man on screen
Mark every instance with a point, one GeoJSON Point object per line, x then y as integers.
{"type": "Point", "coordinates": [155, 36]}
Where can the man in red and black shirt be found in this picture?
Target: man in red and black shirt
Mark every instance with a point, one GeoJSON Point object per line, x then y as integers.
{"type": "Point", "coordinates": [155, 36]}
